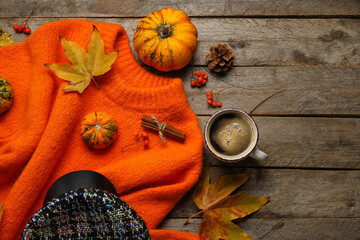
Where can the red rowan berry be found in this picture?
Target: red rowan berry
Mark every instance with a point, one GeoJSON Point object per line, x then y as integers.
{"type": "Point", "coordinates": [193, 83]}
{"type": "Point", "coordinates": [203, 82]}
{"type": "Point", "coordinates": [197, 73]}
{"type": "Point", "coordinates": [205, 76]}
{"type": "Point", "coordinates": [202, 73]}
{"type": "Point", "coordinates": [198, 84]}
{"type": "Point", "coordinates": [216, 97]}
{"type": "Point", "coordinates": [23, 27]}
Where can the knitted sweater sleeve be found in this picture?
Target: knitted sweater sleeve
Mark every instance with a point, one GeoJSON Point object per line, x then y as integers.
{"type": "Point", "coordinates": [21, 127]}
{"type": "Point", "coordinates": [39, 134]}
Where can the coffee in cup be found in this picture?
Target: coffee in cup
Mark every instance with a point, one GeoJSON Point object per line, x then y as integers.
{"type": "Point", "coordinates": [231, 135]}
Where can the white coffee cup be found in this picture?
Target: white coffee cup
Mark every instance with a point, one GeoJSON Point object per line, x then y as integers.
{"type": "Point", "coordinates": [231, 135]}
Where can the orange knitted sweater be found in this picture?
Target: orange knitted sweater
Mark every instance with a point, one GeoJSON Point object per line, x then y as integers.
{"type": "Point", "coordinates": [40, 135]}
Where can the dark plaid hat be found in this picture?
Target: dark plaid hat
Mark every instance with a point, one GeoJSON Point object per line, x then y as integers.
{"type": "Point", "coordinates": [86, 213]}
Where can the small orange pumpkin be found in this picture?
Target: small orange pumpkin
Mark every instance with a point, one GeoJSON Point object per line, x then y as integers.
{"type": "Point", "coordinates": [98, 130]}
{"type": "Point", "coordinates": [166, 39]}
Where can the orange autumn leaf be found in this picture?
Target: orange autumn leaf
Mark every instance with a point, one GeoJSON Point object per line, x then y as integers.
{"type": "Point", "coordinates": [219, 208]}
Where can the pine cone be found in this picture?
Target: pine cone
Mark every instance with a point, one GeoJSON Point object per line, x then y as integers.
{"type": "Point", "coordinates": [221, 58]}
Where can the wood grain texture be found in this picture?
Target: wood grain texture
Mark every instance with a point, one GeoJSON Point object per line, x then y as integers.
{"type": "Point", "coordinates": [283, 228]}
{"type": "Point", "coordinates": [303, 143]}
{"type": "Point", "coordinates": [294, 193]}
{"type": "Point", "coordinates": [260, 42]}
{"type": "Point", "coordinates": [129, 8]}
{"type": "Point", "coordinates": [306, 90]}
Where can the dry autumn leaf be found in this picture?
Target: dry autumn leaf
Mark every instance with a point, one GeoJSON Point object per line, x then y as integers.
{"type": "Point", "coordinates": [85, 65]}
{"type": "Point", "coordinates": [219, 209]}
{"type": "Point", "coordinates": [5, 39]}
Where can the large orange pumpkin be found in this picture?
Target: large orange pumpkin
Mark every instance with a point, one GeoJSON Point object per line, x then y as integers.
{"type": "Point", "coordinates": [98, 130]}
{"type": "Point", "coordinates": [166, 39]}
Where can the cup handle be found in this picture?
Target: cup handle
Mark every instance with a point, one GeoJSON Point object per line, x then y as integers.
{"type": "Point", "coordinates": [259, 155]}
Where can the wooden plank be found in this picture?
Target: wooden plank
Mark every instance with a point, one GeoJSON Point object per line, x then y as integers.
{"type": "Point", "coordinates": [129, 8]}
{"type": "Point", "coordinates": [306, 90]}
{"type": "Point", "coordinates": [303, 142]}
{"type": "Point", "coordinates": [280, 228]}
{"type": "Point", "coordinates": [259, 42]}
{"type": "Point", "coordinates": [294, 193]}
{"type": "Point", "coordinates": [244, 29]}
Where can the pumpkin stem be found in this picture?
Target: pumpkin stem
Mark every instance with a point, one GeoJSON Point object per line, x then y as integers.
{"type": "Point", "coordinates": [165, 31]}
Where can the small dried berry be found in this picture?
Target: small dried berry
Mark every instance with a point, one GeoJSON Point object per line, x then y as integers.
{"type": "Point", "coordinates": [23, 27]}
{"type": "Point", "coordinates": [144, 135]}
{"type": "Point", "coordinates": [210, 98]}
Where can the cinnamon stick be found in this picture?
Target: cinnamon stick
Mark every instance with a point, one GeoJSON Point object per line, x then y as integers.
{"type": "Point", "coordinates": [168, 131]}
{"type": "Point", "coordinates": [168, 127]}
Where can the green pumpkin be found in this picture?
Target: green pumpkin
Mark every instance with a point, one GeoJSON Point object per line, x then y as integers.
{"type": "Point", "coordinates": [6, 95]}
{"type": "Point", "coordinates": [98, 129]}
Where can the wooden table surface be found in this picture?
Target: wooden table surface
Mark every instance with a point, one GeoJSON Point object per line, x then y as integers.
{"type": "Point", "coordinates": [310, 51]}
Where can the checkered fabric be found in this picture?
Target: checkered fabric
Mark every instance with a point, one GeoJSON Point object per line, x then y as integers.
{"type": "Point", "coordinates": [86, 214]}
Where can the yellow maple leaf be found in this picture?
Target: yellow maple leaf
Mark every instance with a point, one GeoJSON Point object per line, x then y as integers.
{"type": "Point", "coordinates": [85, 65]}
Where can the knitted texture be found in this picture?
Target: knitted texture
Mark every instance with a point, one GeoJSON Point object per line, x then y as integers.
{"type": "Point", "coordinates": [86, 214]}
{"type": "Point", "coordinates": [40, 134]}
